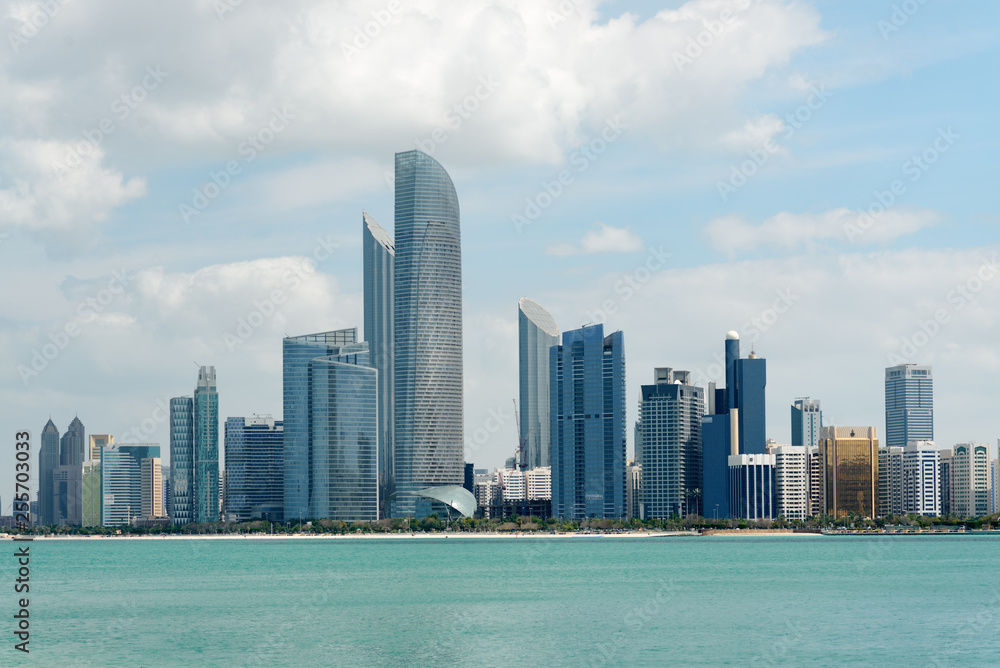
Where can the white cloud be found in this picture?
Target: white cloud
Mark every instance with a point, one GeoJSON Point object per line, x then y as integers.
{"type": "Point", "coordinates": [789, 231]}
{"type": "Point", "coordinates": [602, 239]}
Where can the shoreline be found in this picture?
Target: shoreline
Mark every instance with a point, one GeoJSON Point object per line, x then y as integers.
{"type": "Point", "coordinates": [424, 536]}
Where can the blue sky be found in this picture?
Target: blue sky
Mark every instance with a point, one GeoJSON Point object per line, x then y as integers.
{"type": "Point", "coordinates": [537, 85]}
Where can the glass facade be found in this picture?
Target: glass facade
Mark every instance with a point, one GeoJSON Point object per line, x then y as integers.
{"type": "Point", "coordinates": [807, 418]}
{"type": "Point", "coordinates": [909, 404]}
{"type": "Point", "coordinates": [668, 442]}
{"type": "Point", "coordinates": [206, 447]}
{"type": "Point", "coordinates": [851, 473]}
{"type": "Point", "coordinates": [752, 487]}
{"type": "Point", "coordinates": [181, 459]}
{"type": "Point", "coordinates": [379, 263]}
{"type": "Point", "coordinates": [121, 481]}
{"type": "Point", "coordinates": [537, 333]}
{"type": "Point", "coordinates": [254, 468]}
{"type": "Point", "coordinates": [587, 413]}
{"type": "Point", "coordinates": [93, 494]}
{"type": "Point", "coordinates": [48, 459]}
{"type": "Point", "coordinates": [751, 379]}
{"type": "Point", "coordinates": [73, 447]}
{"type": "Point", "coordinates": [428, 438]}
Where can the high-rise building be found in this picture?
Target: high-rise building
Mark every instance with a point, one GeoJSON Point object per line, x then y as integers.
{"type": "Point", "coordinates": [255, 482]}
{"type": "Point", "coordinates": [122, 482]}
{"type": "Point", "coordinates": [890, 481]}
{"type": "Point", "coordinates": [791, 481]}
{"type": "Point", "coordinates": [669, 445]}
{"type": "Point", "coordinates": [330, 428]}
{"type": "Point", "coordinates": [539, 481]}
{"type": "Point", "coordinates": [379, 322]}
{"type": "Point", "coordinates": [93, 493]}
{"type": "Point", "coordinates": [67, 494]}
{"type": "Point", "coordinates": [734, 425]}
{"type": "Point", "coordinates": [921, 479]}
{"type": "Point", "coordinates": [194, 452]}
{"type": "Point", "coordinates": [815, 464]}
{"type": "Point", "coordinates": [850, 470]}
{"type": "Point", "coordinates": [945, 480]}
{"type": "Point", "coordinates": [97, 443]}
{"type": "Point", "coordinates": [970, 479]}
{"type": "Point", "coordinates": [168, 495]}
{"type": "Point", "coordinates": [807, 418]}
{"type": "Point", "coordinates": [909, 404]}
{"type": "Point", "coordinates": [537, 333]}
{"type": "Point", "coordinates": [48, 459]}
{"type": "Point", "coordinates": [633, 487]}
{"type": "Point", "coordinates": [72, 446]}
{"type": "Point", "coordinates": [427, 296]}
{"type": "Point", "coordinates": [587, 414]}
{"type": "Point", "coordinates": [151, 488]}
{"type": "Point", "coordinates": [752, 487]}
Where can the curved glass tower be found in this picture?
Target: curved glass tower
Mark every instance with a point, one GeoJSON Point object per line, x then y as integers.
{"type": "Point", "coordinates": [379, 263]}
{"type": "Point", "coordinates": [537, 332]}
{"type": "Point", "coordinates": [428, 333]}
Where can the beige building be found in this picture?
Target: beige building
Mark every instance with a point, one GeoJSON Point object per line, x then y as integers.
{"type": "Point", "coordinates": [98, 441]}
{"type": "Point", "coordinates": [850, 470]}
{"type": "Point", "coordinates": [152, 488]}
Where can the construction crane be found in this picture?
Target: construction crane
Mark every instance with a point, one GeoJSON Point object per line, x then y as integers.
{"type": "Point", "coordinates": [520, 456]}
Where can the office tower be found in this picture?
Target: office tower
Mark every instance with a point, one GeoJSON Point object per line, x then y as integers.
{"type": "Point", "coordinates": [537, 333]}
{"type": "Point", "coordinates": [970, 479]}
{"type": "Point", "coordinates": [921, 482]}
{"type": "Point", "coordinates": [48, 459]}
{"type": "Point", "coordinates": [945, 480]}
{"type": "Point", "coordinates": [815, 463]}
{"type": "Point", "coordinates": [97, 443]}
{"type": "Point", "coordinates": [669, 445]}
{"type": "Point", "coordinates": [807, 418]}
{"type": "Point", "coordinates": [791, 481]}
{"type": "Point", "coordinates": [379, 279]}
{"type": "Point", "coordinates": [168, 495]}
{"type": "Point", "coordinates": [122, 482]}
{"type": "Point", "coordinates": [194, 452]}
{"type": "Point", "coordinates": [182, 459]}
{"type": "Point", "coordinates": [330, 428]}
{"type": "Point", "coordinates": [734, 425]}
{"type": "Point", "coordinates": [255, 482]}
{"type": "Point", "coordinates": [890, 481]}
{"type": "Point", "coordinates": [151, 488]}
{"type": "Point", "coordinates": [93, 494]}
{"type": "Point", "coordinates": [72, 446]}
{"type": "Point", "coordinates": [909, 404]}
{"type": "Point", "coordinates": [67, 497]}
{"type": "Point", "coordinates": [850, 470]}
{"type": "Point", "coordinates": [752, 487]}
{"type": "Point", "coordinates": [587, 415]}
{"type": "Point", "coordinates": [427, 297]}
{"type": "Point", "coordinates": [633, 486]}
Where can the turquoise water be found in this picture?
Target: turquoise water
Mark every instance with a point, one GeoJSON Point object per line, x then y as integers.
{"type": "Point", "coordinates": [914, 601]}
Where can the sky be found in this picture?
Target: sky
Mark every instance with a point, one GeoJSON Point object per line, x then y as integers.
{"type": "Point", "coordinates": [182, 184]}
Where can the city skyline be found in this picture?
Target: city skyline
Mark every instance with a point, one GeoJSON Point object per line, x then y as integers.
{"type": "Point", "coordinates": [129, 291]}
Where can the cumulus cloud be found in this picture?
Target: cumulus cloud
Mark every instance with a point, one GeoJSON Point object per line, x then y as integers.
{"type": "Point", "coordinates": [734, 234]}
{"type": "Point", "coordinates": [602, 239]}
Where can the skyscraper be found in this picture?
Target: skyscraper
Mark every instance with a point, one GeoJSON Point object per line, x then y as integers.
{"type": "Point", "coordinates": [194, 452]}
{"type": "Point", "coordinates": [970, 479]}
{"type": "Point", "coordinates": [72, 446]}
{"type": "Point", "coordinates": [668, 443]}
{"type": "Point", "coordinates": [48, 459]}
{"type": "Point", "coordinates": [909, 404]}
{"type": "Point", "coordinates": [921, 479]}
{"type": "Point", "coordinates": [427, 298]}
{"type": "Point", "coordinates": [807, 418]}
{"type": "Point", "coordinates": [752, 493]}
{"type": "Point", "coordinates": [791, 481]}
{"type": "Point", "coordinates": [97, 443]}
{"type": "Point", "coordinates": [93, 493]}
{"type": "Point", "coordinates": [850, 471]}
{"type": "Point", "coordinates": [122, 481]}
{"type": "Point", "coordinates": [537, 332]}
{"type": "Point", "coordinates": [587, 413]}
{"type": "Point", "coordinates": [330, 428]}
{"type": "Point", "coordinates": [379, 279]}
{"type": "Point", "coordinates": [255, 482]}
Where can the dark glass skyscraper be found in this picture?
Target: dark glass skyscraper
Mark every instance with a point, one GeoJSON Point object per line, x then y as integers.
{"type": "Point", "coordinates": [48, 460]}
{"type": "Point", "coordinates": [194, 452]}
{"type": "Point", "coordinates": [909, 405]}
{"type": "Point", "coordinates": [72, 447]}
{"type": "Point", "coordinates": [255, 482]}
{"type": "Point", "coordinates": [379, 263]}
{"type": "Point", "coordinates": [587, 412]}
{"type": "Point", "coordinates": [181, 460]}
{"type": "Point", "coordinates": [428, 438]}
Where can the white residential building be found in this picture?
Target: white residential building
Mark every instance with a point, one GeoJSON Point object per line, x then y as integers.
{"type": "Point", "coordinates": [791, 481]}
{"type": "Point", "coordinates": [539, 481]}
{"type": "Point", "coordinates": [970, 479]}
